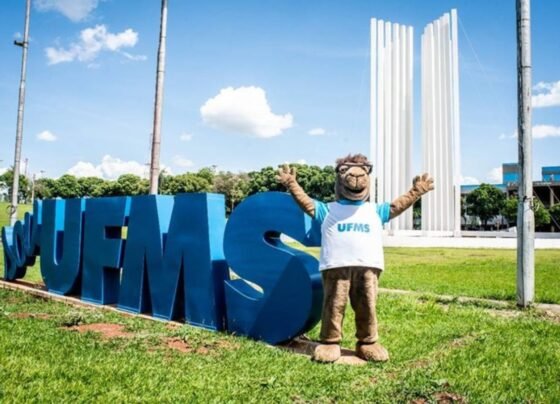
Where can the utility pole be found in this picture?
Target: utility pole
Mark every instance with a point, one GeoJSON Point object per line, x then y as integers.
{"type": "Point", "coordinates": [156, 133]}
{"type": "Point", "coordinates": [33, 189]}
{"type": "Point", "coordinates": [525, 213]}
{"type": "Point", "coordinates": [19, 131]}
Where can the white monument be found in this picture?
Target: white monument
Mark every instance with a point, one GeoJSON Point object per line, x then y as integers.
{"type": "Point", "coordinates": [392, 47]}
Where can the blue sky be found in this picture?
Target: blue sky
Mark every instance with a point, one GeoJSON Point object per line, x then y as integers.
{"type": "Point", "coordinates": [247, 81]}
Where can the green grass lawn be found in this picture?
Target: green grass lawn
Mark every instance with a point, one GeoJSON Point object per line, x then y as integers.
{"type": "Point", "coordinates": [436, 350]}
{"type": "Point", "coordinates": [481, 273]}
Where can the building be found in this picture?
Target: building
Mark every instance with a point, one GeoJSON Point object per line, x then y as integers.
{"type": "Point", "coordinates": [547, 190]}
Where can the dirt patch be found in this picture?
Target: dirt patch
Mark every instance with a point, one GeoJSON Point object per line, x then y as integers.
{"type": "Point", "coordinates": [40, 316]}
{"type": "Point", "coordinates": [107, 330]}
{"type": "Point", "coordinates": [179, 345]}
{"type": "Point", "coordinates": [550, 315]}
{"type": "Point", "coordinates": [182, 345]}
{"type": "Point", "coordinates": [445, 397]}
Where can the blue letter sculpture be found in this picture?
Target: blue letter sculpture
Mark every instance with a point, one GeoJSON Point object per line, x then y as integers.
{"type": "Point", "coordinates": [103, 248]}
{"type": "Point", "coordinates": [164, 255]}
{"type": "Point", "coordinates": [61, 252]}
{"type": "Point", "coordinates": [290, 296]}
{"type": "Point", "coordinates": [174, 264]}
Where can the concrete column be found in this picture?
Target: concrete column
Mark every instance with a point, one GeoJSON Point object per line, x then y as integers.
{"type": "Point", "coordinates": [440, 117]}
{"type": "Point", "coordinates": [391, 112]}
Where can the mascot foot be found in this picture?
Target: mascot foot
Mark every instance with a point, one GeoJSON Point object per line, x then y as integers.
{"type": "Point", "coordinates": [372, 352]}
{"type": "Point", "coordinates": [326, 353]}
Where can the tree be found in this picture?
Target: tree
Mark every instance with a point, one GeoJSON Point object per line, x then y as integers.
{"type": "Point", "coordinates": [509, 211]}
{"type": "Point", "coordinates": [207, 173]}
{"type": "Point", "coordinates": [129, 185]}
{"type": "Point", "coordinates": [66, 187]}
{"type": "Point", "coordinates": [485, 202]}
{"type": "Point", "coordinates": [90, 186]}
{"type": "Point", "coordinates": [45, 188]}
{"type": "Point", "coordinates": [188, 182]}
{"type": "Point", "coordinates": [542, 216]}
{"type": "Point", "coordinates": [317, 182]}
{"type": "Point", "coordinates": [234, 186]}
{"type": "Point", "coordinates": [555, 215]}
{"type": "Point", "coordinates": [263, 181]}
{"type": "Point", "coordinates": [7, 179]}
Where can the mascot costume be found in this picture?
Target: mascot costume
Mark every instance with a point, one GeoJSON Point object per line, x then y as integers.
{"type": "Point", "coordinates": [351, 252]}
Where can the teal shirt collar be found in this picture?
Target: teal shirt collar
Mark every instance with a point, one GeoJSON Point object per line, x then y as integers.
{"type": "Point", "coordinates": [349, 202]}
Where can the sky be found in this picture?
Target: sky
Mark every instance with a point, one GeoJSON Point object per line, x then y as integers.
{"type": "Point", "coordinates": [254, 83]}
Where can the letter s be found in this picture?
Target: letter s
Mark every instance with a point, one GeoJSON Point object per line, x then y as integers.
{"type": "Point", "coordinates": [290, 296]}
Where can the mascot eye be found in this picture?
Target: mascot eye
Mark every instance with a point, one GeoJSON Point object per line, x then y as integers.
{"type": "Point", "coordinates": [342, 169]}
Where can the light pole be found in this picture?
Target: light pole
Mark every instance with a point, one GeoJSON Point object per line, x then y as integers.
{"type": "Point", "coordinates": [19, 131]}
{"type": "Point", "coordinates": [33, 185]}
{"type": "Point", "coordinates": [158, 104]}
{"type": "Point", "coordinates": [526, 215]}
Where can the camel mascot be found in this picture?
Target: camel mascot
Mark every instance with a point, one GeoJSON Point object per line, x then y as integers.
{"type": "Point", "coordinates": [351, 258]}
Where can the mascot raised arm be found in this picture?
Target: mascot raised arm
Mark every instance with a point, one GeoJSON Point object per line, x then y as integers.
{"type": "Point", "coordinates": [351, 258]}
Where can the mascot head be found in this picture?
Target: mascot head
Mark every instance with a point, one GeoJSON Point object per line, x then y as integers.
{"type": "Point", "coordinates": [352, 177]}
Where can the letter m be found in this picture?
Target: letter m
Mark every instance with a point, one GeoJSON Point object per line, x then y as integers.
{"type": "Point", "coordinates": [174, 265]}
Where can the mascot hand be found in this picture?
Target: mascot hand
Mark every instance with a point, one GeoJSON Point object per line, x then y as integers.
{"type": "Point", "coordinates": [286, 175]}
{"type": "Point", "coordinates": [423, 183]}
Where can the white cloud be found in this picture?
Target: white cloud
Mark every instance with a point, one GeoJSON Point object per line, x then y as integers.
{"type": "Point", "coordinates": [538, 132]}
{"type": "Point", "coordinates": [75, 10]}
{"type": "Point", "coordinates": [3, 170]}
{"type": "Point", "coordinates": [542, 131]}
{"type": "Point", "coordinates": [244, 110]}
{"type": "Point", "coordinates": [469, 181]}
{"type": "Point", "coordinates": [134, 58]}
{"type": "Point", "coordinates": [548, 95]}
{"type": "Point", "coordinates": [182, 162]}
{"type": "Point", "coordinates": [85, 169]}
{"type": "Point", "coordinates": [186, 137]}
{"type": "Point", "coordinates": [301, 161]}
{"type": "Point", "coordinates": [92, 42]}
{"type": "Point", "coordinates": [495, 175]}
{"type": "Point", "coordinates": [109, 168]}
{"type": "Point", "coordinates": [46, 136]}
{"type": "Point", "coordinates": [317, 132]}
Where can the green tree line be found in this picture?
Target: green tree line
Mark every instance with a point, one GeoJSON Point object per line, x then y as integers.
{"type": "Point", "coordinates": [317, 181]}
{"type": "Point", "coordinates": [486, 202]}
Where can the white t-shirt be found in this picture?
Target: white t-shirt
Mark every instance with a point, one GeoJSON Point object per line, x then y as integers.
{"type": "Point", "coordinates": [351, 233]}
